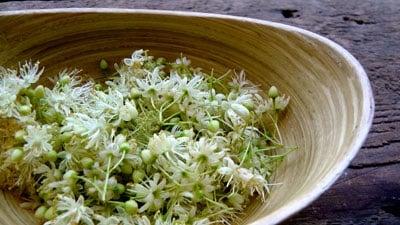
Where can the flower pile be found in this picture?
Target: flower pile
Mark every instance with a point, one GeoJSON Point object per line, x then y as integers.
{"type": "Point", "coordinates": [159, 143]}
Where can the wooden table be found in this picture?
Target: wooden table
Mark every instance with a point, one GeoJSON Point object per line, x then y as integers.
{"type": "Point", "coordinates": [369, 191]}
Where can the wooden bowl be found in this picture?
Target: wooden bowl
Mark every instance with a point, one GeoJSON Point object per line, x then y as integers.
{"type": "Point", "coordinates": [331, 105]}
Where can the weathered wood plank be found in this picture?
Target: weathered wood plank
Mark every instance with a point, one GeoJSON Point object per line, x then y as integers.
{"type": "Point", "coordinates": [369, 192]}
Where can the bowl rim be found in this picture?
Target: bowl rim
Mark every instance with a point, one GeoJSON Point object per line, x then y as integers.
{"type": "Point", "coordinates": [368, 105]}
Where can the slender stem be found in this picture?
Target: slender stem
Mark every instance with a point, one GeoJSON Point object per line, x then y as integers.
{"type": "Point", "coordinates": [103, 197]}
{"type": "Point", "coordinates": [119, 162]}
{"type": "Point", "coordinates": [90, 182]}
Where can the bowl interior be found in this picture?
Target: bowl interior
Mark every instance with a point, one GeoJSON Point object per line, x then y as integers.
{"type": "Point", "coordinates": [326, 119]}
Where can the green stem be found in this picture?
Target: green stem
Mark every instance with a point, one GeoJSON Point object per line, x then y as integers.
{"type": "Point", "coordinates": [103, 196]}
{"type": "Point", "coordinates": [90, 182]}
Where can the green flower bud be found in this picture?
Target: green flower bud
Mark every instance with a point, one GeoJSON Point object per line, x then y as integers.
{"type": "Point", "coordinates": [66, 137]}
{"type": "Point", "coordinates": [213, 126]}
{"type": "Point", "coordinates": [249, 105]}
{"type": "Point", "coordinates": [98, 87]}
{"type": "Point", "coordinates": [39, 91]}
{"type": "Point", "coordinates": [87, 162]}
{"type": "Point", "coordinates": [119, 188]}
{"type": "Point", "coordinates": [161, 61]}
{"type": "Point", "coordinates": [131, 206]}
{"type": "Point", "coordinates": [135, 93]}
{"type": "Point", "coordinates": [20, 136]}
{"type": "Point", "coordinates": [64, 80]}
{"type": "Point", "coordinates": [51, 156]}
{"type": "Point", "coordinates": [40, 212]}
{"type": "Point", "coordinates": [273, 92]}
{"type": "Point", "coordinates": [71, 176]}
{"type": "Point", "coordinates": [175, 120]}
{"type": "Point", "coordinates": [138, 176]}
{"type": "Point", "coordinates": [17, 155]}
{"type": "Point", "coordinates": [236, 200]}
{"type": "Point", "coordinates": [57, 174]}
{"type": "Point", "coordinates": [124, 147]}
{"type": "Point", "coordinates": [147, 156]}
{"type": "Point", "coordinates": [103, 64]}
{"type": "Point", "coordinates": [50, 213]}
{"type": "Point", "coordinates": [126, 168]}
{"type": "Point", "coordinates": [24, 109]}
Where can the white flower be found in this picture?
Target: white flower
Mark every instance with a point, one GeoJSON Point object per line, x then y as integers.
{"type": "Point", "coordinates": [37, 141]}
{"type": "Point", "coordinates": [112, 145]}
{"type": "Point", "coordinates": [136, 59]}
{"type": "Point", "coordinates": [128, 111]}
{"type": "Point", "coordinates": [94, 129]}
{"type": "Point", "coordinates": [11, 84]}
{"type": "Point", "coordinates": [72, 212]}
{"type": "Point", "coordinates": [151, 193]}
{"type": "Point", "coordinates": [153, 84]}
{"type": "Point", "coordinates": [162, 143]}
{"type": "Point", "coordinates": [183, 61]}
{"type": "Point", "coordinates": [191, 88]}
{"type": "Point", "coordinates": [112, 220]}
{"type": "Point", "coordinates": [204, 151]}
{"type": "Point", "coordinates": [29, 73]}
{"type": "Point", "coordinates": [106, 104]}
{"type": "Point", "coordinates": [70, 96]}
{"type": "Point", "coordinates": [281, 102]}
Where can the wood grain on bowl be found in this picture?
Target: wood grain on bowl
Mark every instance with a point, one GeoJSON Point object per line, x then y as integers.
{"type": "Point", "coordinates": [328, 118]}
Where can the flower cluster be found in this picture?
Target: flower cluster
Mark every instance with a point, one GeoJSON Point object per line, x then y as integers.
{"type": "Point", "coordinates": [159, 143]}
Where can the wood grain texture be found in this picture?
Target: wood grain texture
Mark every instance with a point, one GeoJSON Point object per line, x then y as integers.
{"type": "Point", "coordinates": [369, 191]}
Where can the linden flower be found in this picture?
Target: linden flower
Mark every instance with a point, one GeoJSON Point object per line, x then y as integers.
{"type": "Point", "coordinates": [68, 95]}
{"type": "Point", "coordinates": [112, 220]}
{"type": "Point", "coordinates": [184, 87]}
{"type": "Point", "coordinates": [37, 141]}
{"type": "Point", "coordinates": [153, 84]}
{"type": "Point", "coordinates": [204, 151]}
{"type": "Point", "coordinates": [151, 193]}
{"type": "Point", "coordinates": [137, 58]}
{"type": "Point", "coordinates": [72, 212]}
{"type": "Point", "coordinates": [11, 84]}
{"type": "Point", "coordinates": [91, 128]}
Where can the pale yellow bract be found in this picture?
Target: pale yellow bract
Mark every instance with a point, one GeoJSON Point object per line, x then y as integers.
{"type": "Point", "coordinates": [331, 99]}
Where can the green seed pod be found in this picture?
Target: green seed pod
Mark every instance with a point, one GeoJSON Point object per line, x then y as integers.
{"type": "Point", "coordinates": [213, 126]}
{"type": "Point", "coordinates": [135, 93]}
{"type": "Point", "coordinates": [119, 188]}
{"type": "Point", "coordinates": [273, 92]}
{"type": "Point", "coordinates": [40, 212]}
{"type": "Point", "coordinates": [39, 91]}
{"type": "Point", "coordinates": [24, 109]}
{"type": "Point", "coordinates": [51, 156]}
{"type": "Point", "coordinates": [17, 155]}
{"type": "Point", "coordinates": [103, 64]}
{"type": "Point", "coordinates": [87, 162]}
{"type": "Point", "coordinates": [126, 168]}
{"type": "Point", "coordinates": [20, 136]}
{"type": "Point", "coordinates": [131, 206]}
{"type": "Point", "coordinates": [50, 213]}
{"type": "Point", "coordinates": [138, 176]}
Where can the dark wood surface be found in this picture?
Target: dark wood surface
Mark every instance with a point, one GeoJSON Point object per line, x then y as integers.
{"type": "Point", "coordinates": [369, 191]}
